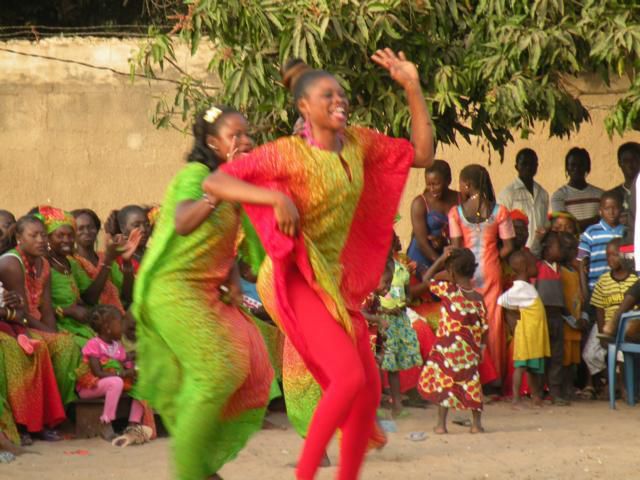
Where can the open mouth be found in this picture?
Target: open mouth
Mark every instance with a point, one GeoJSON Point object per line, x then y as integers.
{"type": "Point", "coordinates": [339, 114]}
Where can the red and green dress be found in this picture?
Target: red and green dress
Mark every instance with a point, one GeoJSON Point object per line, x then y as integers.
{"type": "Point", "coordinates": [347, 204]}
{"type": "Point", "coordinates": [203, 365]}
{"type": "Point", "coordinates": [450, 376]}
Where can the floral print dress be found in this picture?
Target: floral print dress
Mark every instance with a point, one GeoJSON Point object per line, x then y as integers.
{"type": "Point", "coordinates": [450, 376]}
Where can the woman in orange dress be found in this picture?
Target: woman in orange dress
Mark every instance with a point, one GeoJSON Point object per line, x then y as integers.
{"type": "Point", "coordinates": [478, 224]}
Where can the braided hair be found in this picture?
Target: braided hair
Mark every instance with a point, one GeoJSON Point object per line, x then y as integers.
{"type": "Point", "coordinates": [202, 128]}
{"type": "Point", "coordinates": [462, 262]}
{"type": "Point", "coordinates": [478, 176]}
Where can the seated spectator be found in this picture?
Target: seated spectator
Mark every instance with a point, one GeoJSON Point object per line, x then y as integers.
{"type": "Point", "coordinates": [126, 221]}
{"type": "Point", "coordinates": [578, 197]}
{"type": "Point", "coordinates": [629, 302]}
{"type": "Point", "coordinates": [25, 271]}
{"type": "Point", "coordinates": [72, 291]}
{"type": "Point", "coordinates": [593, 242]}
{"type": "Point", "coordinates": [429, 216]}
{"type": "Point", "coordinates": [7, 227]}
{"type": "Point", "coordinates": [526, 195]}
{"type": "Point", "coordinates": [101, 266]}
{"type": "Point", "coordinates": [607, 297]}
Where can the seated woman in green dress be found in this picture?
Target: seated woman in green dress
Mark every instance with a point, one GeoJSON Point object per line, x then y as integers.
{"type": "Point", "coordinates": [72, 289]}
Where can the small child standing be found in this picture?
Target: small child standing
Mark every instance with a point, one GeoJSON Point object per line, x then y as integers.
{"type": "Point", "coordinates": [450, 376]}
{"type": "Point", "coordinates": [549, 286]}
{"type": "Point", "coordinates": [531, 334]}
{"type": "Point", "coordinates": [106, 371]}
{"type": "Point", "coordinates": [574, 295]}
{"type": "Point", "coordinates": [401, 350]}
{"type": "Point", "coordinates": [607, 296]}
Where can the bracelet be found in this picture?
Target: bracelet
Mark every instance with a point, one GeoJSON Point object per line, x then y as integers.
{"type": "Point", "coordinates": [11, 314]}
{"type": "Point", "coordinates": [104, 265]}
{"type": "Point", "coordinates": [206, 198]}
{"type": "Point", "coordinates": [59, 312]}
{"type": "Point", "coordinates": [25, 321]}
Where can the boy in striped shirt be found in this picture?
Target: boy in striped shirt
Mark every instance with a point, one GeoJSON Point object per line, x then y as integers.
{"type": "Point", "coordinates": [594, 241]}
{"type": "Point", "coordinates": [606, 298]}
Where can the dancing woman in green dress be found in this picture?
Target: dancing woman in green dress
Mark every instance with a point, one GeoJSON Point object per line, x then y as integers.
{"type": "Point", "coordinates": [202, 363]}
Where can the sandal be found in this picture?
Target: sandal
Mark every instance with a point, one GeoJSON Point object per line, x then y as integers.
{"type": "Point", "coordinates": [6, 457]}
{"type": "Point", "coordinates": [417, 436]}
{"type": "Point", "coordinates": [587, 393]}
{"type": "Point", "coordinates": [133, 435]}
{"type": "Point", "coordinates": [26, 440]}
{"type": "Point", "coordinates": [50, 436]}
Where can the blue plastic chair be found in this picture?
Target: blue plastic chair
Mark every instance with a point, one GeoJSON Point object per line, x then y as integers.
{"type": "Point", "coordinates": [630, 351]}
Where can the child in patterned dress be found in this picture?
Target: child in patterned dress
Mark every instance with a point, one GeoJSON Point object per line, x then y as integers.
{"type": "Point", "coordinates": [401, 347]}
{"type": "Point", "coordinates": [450, 376]}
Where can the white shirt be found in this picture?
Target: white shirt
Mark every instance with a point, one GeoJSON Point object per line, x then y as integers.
{"type": "Point", "coordinates": [535, 207]}
{"type": "Point", "coordinates": [521, 295]}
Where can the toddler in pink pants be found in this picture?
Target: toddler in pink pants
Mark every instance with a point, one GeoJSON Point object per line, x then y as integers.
{"type": "Point", "coordinates": [106, 371]}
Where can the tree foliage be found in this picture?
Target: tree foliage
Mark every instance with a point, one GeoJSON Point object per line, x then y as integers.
{"type": "Point", "coordinates": [488, 67]}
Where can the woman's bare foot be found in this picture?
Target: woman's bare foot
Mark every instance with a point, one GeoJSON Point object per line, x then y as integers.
{"type": "Point", "coordinates": [518, 405]}
{"type": "Point", "coordinates": [477, 429]}
{"type": "Point", "coordinates": [107, 432]}
{"type": "Point", "coordinates": [440, 430]}
{"type": "Point", "coordinates": [8, 446]}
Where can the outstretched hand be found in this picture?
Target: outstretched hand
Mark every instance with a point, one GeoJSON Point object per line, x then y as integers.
{"type": "Point", "coordinates": [401, 70]}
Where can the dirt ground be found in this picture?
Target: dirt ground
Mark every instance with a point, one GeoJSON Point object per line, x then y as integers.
{"type": "Point", "coordinates": [585, 441]}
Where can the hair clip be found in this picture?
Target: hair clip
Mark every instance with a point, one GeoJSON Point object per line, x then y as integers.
{"type": "Point", "coordinates": [212, 114]}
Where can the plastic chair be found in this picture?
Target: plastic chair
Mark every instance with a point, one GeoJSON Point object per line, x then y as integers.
{"type": "Point", "coordinates": [630, 351]}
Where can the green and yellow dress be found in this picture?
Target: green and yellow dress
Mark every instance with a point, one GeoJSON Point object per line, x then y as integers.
{"type": "Point", "coordinates": [65, 291]}
{"type": "Point", "coordinates": [203, 365]}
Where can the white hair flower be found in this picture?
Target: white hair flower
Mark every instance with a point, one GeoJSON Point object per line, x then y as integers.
{"type": "Point", "coordinates": [212, 114]}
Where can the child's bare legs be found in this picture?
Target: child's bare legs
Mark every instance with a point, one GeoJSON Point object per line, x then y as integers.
{"type": "Point", "coordinates": [396, 396]}
{"type": "Point", "coordinates": [441, 426]}
{"type": "Point", "coordinates": [517, 384]}
{"type": "Point", "coordinates": [535, 384]}
{"type": "Point", "coordinates": [476, 421]}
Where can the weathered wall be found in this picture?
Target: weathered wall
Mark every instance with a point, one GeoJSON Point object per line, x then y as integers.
{"type": "Point", "coordinates": [76, 137]}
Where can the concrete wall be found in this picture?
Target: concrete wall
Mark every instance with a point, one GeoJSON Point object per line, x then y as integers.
{"type": "Point", "coordinates": [77, 137]}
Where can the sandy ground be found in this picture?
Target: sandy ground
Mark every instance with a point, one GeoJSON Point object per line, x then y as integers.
{"type": "Point", "coordinates": [586, 440]}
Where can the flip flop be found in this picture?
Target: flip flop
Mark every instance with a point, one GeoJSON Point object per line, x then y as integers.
{"type": "Point", "coordinates": [6, 457]}
{"type": "Point", "coordinates": [417, 436]}
{"type": "Point", "coordinates": [50, 436]}
{"type": "Point", "coordinates": [463, 422]}
{"type": "Point", "coordinates": [133, 436]}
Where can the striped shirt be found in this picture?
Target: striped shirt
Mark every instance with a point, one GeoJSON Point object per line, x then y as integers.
{"type": "Point", "coordinates": [593, 245]}
{"type": "Point", "coordinates": [609, 293]}
{"type": "Point", "coordinates": [582, 204]}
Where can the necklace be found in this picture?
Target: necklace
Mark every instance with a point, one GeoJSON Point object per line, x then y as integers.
{"type": "Point", "coordinates": [65, 269]}
{"type": "Point", "coordinates": [466, 290]}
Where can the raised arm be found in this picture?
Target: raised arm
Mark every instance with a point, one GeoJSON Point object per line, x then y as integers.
{"type": "Point", "coordinates": [405, 73]}
{"type": "Point", "coordinates": [221, 186]}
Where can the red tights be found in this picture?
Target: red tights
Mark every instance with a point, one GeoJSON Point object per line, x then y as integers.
{"type": "Point", "coordinates": [349, 378]}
